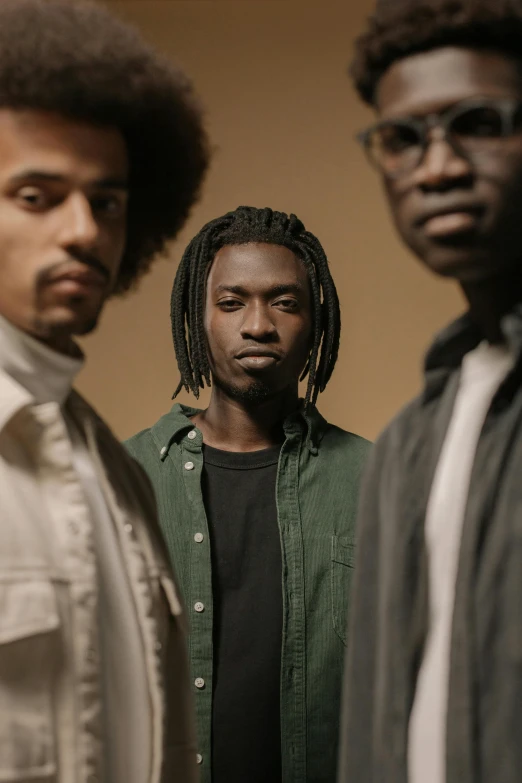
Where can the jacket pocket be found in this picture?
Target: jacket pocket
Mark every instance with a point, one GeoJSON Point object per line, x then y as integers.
{"type": "Point", "coordinates": [343, 558]}
{"type": "Point", "coordinates": [29, 646]}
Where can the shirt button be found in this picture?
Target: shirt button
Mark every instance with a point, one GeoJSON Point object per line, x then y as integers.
{"type": "Point", "coordinates": [198, 538]}
{"type": "Point", "coordinates": [192, 434]}
{"type": "Point", "coordinates": [199, 607]}
{"type": "Point", "coordinates": [199, 682]}
{"type": "Point", "coordinates": [199, 758]}
{"type": "Point", "coordinates": [158, 646]}
{"type": "Point", "coordinates": [189, 466]}
{"type": "Point", "coordinates": [128, 528]}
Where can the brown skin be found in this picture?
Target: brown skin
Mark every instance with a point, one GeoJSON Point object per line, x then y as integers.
{"type": "Point", "coordinates": [258, 303]}
{"type": "Point", "coordinates": [487, 259]}
{"type": "Point", "coordinates": [63, 205]}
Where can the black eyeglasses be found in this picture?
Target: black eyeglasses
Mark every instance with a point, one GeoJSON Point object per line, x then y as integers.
{"type": "Point", "coordinates": [396, 147]}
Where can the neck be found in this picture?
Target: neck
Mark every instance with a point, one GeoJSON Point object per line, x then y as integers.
{"type": "Point", "coordinates": [490, 300]}
{"type": "Point", "coordinates": [231, 424]}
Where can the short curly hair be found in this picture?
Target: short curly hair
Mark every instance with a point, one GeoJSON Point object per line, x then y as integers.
{"type": "Point", "coordinates": [78, 60]}
{"type": "Point", "coordinates": [400, 28]}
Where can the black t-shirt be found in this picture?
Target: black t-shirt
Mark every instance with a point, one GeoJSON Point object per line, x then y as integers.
{"type": "Point", "coordinates": [239, 491]}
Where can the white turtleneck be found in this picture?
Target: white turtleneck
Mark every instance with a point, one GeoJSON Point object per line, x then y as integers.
{"type": "Point", "coordinates": [48, 377]}
{"type": "Point", "coordinates": [46, 374]}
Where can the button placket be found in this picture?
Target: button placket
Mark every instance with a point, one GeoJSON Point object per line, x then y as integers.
{"type": "Point", "coordinates": [199, 593]}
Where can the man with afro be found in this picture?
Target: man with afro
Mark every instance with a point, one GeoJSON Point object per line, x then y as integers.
{"type": "Point", "coordinates": [433, 683]}
{"type": "Point", "coordinates": [102, 153]}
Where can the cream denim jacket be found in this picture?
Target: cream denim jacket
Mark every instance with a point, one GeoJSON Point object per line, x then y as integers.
{"type": "Point", "coordinates": [50, 705]}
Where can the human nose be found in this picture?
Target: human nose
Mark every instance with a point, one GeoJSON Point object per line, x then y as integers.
{"type": "Point", "coordinates": [79, 227]}
{"type": "Point", "coordinates": [441, 164]}
{"type": "Point", "coordinates": [257, 323]}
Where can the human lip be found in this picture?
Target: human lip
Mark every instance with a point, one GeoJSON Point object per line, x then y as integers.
{"type": "Point", "coordinates": [78, 280]}
{"type": "Point", "coordinates": [450, 224]}
{"type": "Point", "coordinates": [257, 358]}
{"type": "Point", "coordinates": [450, 221]}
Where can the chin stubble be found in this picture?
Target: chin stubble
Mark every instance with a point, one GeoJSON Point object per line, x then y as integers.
{"type": "Point", "coordinates": [255, 392]}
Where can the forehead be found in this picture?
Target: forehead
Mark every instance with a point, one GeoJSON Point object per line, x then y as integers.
{"type": "Point", "coordinates": [433, 80]}
{"type": "Point", "coordinates": [36, 139]}
{"type": "Point", "coordinates": [256, 265]}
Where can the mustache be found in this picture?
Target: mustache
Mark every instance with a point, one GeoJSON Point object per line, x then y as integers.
{"type": "Point", "coordinates": [87, 259]}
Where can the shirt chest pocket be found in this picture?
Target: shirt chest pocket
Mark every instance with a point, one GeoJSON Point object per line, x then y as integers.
{"type": "Point", "coordinates": [29, 644]}
{"type": "Point", "coordinates": [342, 564]}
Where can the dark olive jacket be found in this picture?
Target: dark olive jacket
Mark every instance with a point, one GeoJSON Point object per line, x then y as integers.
{"type": "Point", "coordinates": [389, 619]}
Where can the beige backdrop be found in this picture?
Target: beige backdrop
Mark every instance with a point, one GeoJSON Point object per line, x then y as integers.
{"type": "Point", "coordinates": [282, 115]}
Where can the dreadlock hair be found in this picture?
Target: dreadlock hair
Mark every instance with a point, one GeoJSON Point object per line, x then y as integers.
{"type": "Point", "coordinates": [245, 225]}
{"type": "Point", "coordinates": [78, 60]}
{"type": "Point", "coordinates": [401, 28]}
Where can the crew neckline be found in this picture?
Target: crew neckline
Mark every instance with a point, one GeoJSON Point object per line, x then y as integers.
{"type": "Point", "coordinates": [241, 460]}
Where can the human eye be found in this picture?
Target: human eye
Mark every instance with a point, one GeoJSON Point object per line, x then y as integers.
{"type": "Point", "coordinates": [397, 137]}
{"type": "Point", "coordinates": [480, 122]}
{"type": "Point", "coordinates": [287, 303]}
{"type": "Point", "coordinates": [32, 197]}
{"type": "Point", "coordinates": [229, 304]}
{"type": "Point", "coordinates": [109, 205]}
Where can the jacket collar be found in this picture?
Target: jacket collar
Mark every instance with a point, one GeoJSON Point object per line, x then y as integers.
{"type": "Point", "coordinates": [172, 427]}
{"type": "Point", "coordinates": [459, 338]}
{"type": "Point", "coordinates": [13, 398]}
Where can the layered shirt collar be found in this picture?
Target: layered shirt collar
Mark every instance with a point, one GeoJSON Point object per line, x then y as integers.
{"type": "Point", "coordinates": [31, 372]}
{"type": "Point", "coordinates": [459, 338]}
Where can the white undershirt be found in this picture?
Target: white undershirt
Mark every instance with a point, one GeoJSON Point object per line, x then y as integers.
{"type": "Point", "coordinates": [483, 370]}
{"type": "Point", "coordinates": [48, 376]}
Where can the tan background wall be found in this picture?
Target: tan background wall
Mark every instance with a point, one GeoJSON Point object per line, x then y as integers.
{"type": "Point", "coordinates": [282, 114]}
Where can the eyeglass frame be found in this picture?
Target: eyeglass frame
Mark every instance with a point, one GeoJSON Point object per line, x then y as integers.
{"type": "Point", "coordinates": [506, 108]}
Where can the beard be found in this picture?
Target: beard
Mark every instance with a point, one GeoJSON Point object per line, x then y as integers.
{"type": "Point", "coordinates": [49, 328]}
{"type": "Point", "coordinates": [256, 391]}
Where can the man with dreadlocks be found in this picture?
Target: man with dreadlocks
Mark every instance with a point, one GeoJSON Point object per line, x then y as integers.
{"type": "Point", "coordinates": [257, 498]}
{"type": "Point", "coordinates": [102, 152]}
{"type": "Point", "coordinates": [434, 672]}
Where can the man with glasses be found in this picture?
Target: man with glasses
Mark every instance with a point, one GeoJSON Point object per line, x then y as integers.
{"type": "Point", "coordinates": [433, 688]}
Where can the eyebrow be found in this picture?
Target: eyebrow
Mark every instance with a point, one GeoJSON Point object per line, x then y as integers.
{"type": "Point", "coordinates": [283, 288]}
{"type": "Point", "coordinates": [109, 183]}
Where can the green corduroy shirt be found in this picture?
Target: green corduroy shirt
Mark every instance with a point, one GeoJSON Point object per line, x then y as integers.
{"type": "Point", "coordinates": [317, 489]}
